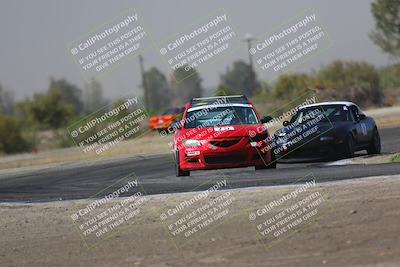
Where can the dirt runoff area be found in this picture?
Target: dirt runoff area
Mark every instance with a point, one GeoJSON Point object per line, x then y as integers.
{"type": "Point", "coordinates": [344, 223]}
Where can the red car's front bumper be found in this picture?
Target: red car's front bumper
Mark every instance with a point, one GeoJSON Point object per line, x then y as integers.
{"type": "Point", "coordinates": [208, 156]}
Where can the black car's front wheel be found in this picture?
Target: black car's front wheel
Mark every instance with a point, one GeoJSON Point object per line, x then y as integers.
{"type": "Point", "coordinates": [178, 170]}
{"type": "Point", "coordinates": [349, 147]}
{"type": "Point", "coordinates": [375, 145]}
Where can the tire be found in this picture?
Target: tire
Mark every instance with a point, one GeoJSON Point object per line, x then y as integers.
{"type": "Point", "coordinates": [271, 165]}
{"type": "Point", "coordinates": [375, 145]}
{"type": "Point", "coordinates": [178, 171]}
{"type": "Point", "coordinates": [349, 148]}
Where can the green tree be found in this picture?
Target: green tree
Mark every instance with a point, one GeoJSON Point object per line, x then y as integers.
{"type": "Point", "coordinates": [69, 94]}
{"type": "Point", "coordinates": [185, 85]}
{"type": "Point", "coordinates": [390, 76]}
{"type": "Point", "coordinates": [387, 25]}
{"type": "Point", "coordinates": [93, 97]}
{"type": "Point", "coordinates": [355, 81]}
{"type": "Point", "coordinates": [265, 94]}
{"type": "Point", "coordinates": [7, 102]}
{"type": "Point", "coordinates": [288, 86]}
{"type": "Point", "coordinates": [238, 79]}
{"type": "Point", "coordinates": [122, 113]}
{"type": "Point", "coordinates": [222, 90]}
{"type": "Point", "coordinates": [46, 111]}
{"type": "Point", "coordinates": [158, 91]}
{"type": "Point", "coordinates": [11, 140]}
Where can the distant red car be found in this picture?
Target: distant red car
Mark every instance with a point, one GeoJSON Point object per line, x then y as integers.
{"type": "Point", "coordinates": [166, 119]}
{"type": "Point", "coordinates": [221, 132]}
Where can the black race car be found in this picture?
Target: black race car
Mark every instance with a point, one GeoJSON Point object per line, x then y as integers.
{"type": "Point", "coordinates": [326, 130]}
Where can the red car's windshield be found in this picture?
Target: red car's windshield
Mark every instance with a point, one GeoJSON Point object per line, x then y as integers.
{"type": "Point", "coordinates": [220, 116]}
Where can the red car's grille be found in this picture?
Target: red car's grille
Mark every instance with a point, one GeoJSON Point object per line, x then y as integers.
{"type": "Point", "coordinates": [224, 159]}
{"type": "Point", "coordinates": [225, 142]}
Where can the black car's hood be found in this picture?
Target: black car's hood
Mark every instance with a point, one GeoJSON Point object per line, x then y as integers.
{"type": "Point", "coordinates": [308, 131]}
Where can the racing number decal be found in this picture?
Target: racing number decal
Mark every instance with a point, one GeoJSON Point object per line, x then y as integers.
{"type": "Point", "coordinates": [224, 128]}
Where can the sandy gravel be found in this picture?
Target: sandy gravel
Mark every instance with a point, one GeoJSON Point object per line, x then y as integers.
{"type": "Point", "coordinates": [364, 160]}
{"type": "Point", "coordinates": [357, 225]}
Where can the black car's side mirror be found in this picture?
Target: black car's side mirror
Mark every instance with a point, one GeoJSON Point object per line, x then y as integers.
{"type": "Point", "coordinates": [361, 117]}
{"type": "Point", "coordinates": [266, 119]}
{"type": "Point", "coordinates": [286, 123]}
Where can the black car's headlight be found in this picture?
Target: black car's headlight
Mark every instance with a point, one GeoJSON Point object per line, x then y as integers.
{"type": "Point", "coordinates": [326, 138]}
{"type": "Point", "coordinates": [280, 138]}
{"type": "Point", "coordinates": [282, 134]}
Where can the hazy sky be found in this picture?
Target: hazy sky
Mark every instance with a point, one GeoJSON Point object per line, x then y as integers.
{"type": "Point", "coordinates": [35, 36]}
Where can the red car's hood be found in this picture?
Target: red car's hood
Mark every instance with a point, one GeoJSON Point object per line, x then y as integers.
{"type": "Point", "coordinates": [221, 132]}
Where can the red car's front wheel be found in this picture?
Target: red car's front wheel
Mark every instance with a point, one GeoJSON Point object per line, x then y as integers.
{"type": "Point", "coordinates": [271, 165]}
{"type": "Point", "coordinates": [178, 170]}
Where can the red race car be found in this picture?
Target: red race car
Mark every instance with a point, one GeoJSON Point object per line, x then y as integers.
{"type": "Point", "coordinates": [166, 119]}
{"type": "Point", "coordinates": [221, 132]}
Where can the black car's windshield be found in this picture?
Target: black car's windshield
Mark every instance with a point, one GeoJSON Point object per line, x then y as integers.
{"type": "Point", "coordinates": [326, 113]}
{"type": "Point", "coordinates": [220, 116]}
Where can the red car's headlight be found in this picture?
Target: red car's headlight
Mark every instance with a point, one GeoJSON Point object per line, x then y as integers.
{"type": "Point", "coordinates": [191, 143]}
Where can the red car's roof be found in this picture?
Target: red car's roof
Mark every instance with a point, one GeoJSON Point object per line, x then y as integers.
{"type": "Point", "coordinates": [205, 101]}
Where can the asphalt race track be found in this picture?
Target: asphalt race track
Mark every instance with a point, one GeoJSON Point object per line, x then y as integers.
{"type": "Point", "coordinates": [156, 174]}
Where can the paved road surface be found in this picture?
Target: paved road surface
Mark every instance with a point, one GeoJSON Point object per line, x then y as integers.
{"type": "Point", "coordinates": [156, 173]}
